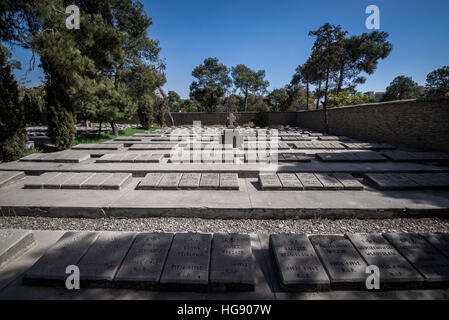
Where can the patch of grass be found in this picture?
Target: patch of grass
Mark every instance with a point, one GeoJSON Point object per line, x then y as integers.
{"type": "Point", "coordinates": [130, 131]}
{"type": "Point", "coordinates": [92, 138]}
{"type": "Point", "coordinates": [31, 151]}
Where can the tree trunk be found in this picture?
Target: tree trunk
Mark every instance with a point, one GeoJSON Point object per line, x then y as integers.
{"type": "Point", "coordinates": [165, 107]}
{"type": "Point", "coordinates": [246, 98]}
{"type": "Point", "coordinates": [341, 77]}
{"type": "Point", "coordinates": [99, 129]}
{"type": "Point", "coordinates": [326, 124]}
{"type": "Point", "coordinates": [319, 95]}
{"type": "Point", "coordinates": [114, 128]}
{"type": "Point", "coordinates": [307, 95]}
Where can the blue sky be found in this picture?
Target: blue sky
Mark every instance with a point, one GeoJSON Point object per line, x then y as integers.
{"type": "Point", "coordinates": [273, 35]}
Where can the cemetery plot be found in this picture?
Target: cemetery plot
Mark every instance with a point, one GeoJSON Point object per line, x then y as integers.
{"type": "Point", "coordinates": [117, 181]}
{"type": "Point", "coordinates": [351, 156]}
{"type": "Point", "coordinates": [7, 177]}
{"type": "Point", "coordinates": [68, 250]}
{"type": "Point", "coordinates": [294, 157]}
{"type": "Point", "coordinates": [433, 265]}
{"type": "Point", "coordinates": [150, 182]}
{"type": "Point", "coordinates": [289, 181]}
{"type": "Point", "coordinates": [142, 266]}
{"type": "Point", "coordinates": [318, 145]}
{"type": "Point", "coordinates": [395, 271]}
{"type": "Point", "coordinates": [13, 242]}
{"type": "Point", "coordinates": [187, 265]}
{"type": "Point", "coordinates": [329, 182]}
{"type": "Point", "coordinates": [348, 181]}
{"type": "Point", "coordinates": [309, 181]}
{"type": "Point", "coordinates": [404, 181]}
{"type": "Point", "coordinates": [209, 181]}
{"type": "Point", "coordinates": [331, 138]}
{"type": "Point", "coordinates": [130, 158]}
{"type": "Point", "coordinates": [102, 261]}
{"type": "Point", "coordinates": [76, 180]}
{"type": "Point", "coordinates": [415, 156]}
{"type": "Point", "coordinates": [297, 264]}
{"type": "Point", "coordinates": [368, 146]}
{"type": "Point", "coordinates": [153, 146]}
{"type": "Point", "coordinates": [269, 182]}
{"type": "Point", "coordinates": [190, 181]}
{"type": "Point", "coordinates": [57, 181]}
{"type": "Point", "coordinates": [232, 266]}
{"type": "Point", "coordinates": [344, 265]}
{"type": "Point", "coordinates": [98, 146]}
{"type": "Point", "coordinates": [170, 181]}
{"type": "Point", "coordinates": [37, 182]}
{"type": "Point", "coordinates": [71, 157]}
{"type": "Point", "coordinates": [439, 240]}
{"type": "Point", "coordinates": [229, 181]}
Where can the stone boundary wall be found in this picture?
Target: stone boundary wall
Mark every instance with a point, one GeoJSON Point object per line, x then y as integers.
{"type": "Point", "coordinates": [421, 124]}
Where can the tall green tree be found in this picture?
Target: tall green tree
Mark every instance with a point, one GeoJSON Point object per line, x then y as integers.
{"type": "Point", "coordinates": [174, 100]}
{"type": "Point", "coordinates": [249, 81]}
{"type": "Point", "coordinates": [438, 82]}
{"type": "Point", "coordinates": [400, 88]}
{"type": "Point", "coordinates": [212, 82]}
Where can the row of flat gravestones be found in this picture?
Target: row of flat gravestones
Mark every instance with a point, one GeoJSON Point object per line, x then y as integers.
{"type": "Point", "coordinates": [228, 181]}
{"type": "Point", "coordinates": [193, 261]}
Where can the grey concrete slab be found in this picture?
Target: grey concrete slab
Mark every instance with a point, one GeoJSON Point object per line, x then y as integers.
{"type": "Point", "coordinates": [289, 181]}
{"type": "Point", "coordinates": [13, 242]}
{"type": "Point", "coordinates": [95, 181]}
{"type": "Point", "coordinates": [229, 181]}
{"type": "Point", "coordinates": [68, 250]}
{"type": "Point", "coordinates": [329, 182]}
{"type": "Point", "coordinates": [395, 271]}
{"type": "Point", "coordinates": [269, 182]}
{"type": "Point", "coordinates": [76, 180]}
{"type": "Point", "coordinates": [7, 177]}
{"type": "Point", "coordinates": [190, 181]}
{"type": "Point", "coordinates": [415, 156]}
{"type": "Point", "coordinates": [432, 264]}
{"type": "Point", "coordinates": [59, 180]}
{"type": "Point", "coordinates": [232, 265]}
{"type": "Point", "coordinates": [104, 257]}
{"type": "Point", "coordinates": [117, 181]}
{"type": "Point", "coordinates": [209, 181]}
{"type": "Point", "coordinates": [348, 181]}
{"type": "Point", "coordinates": [344, 265]}
{"type": "Point", "coordinates": [187, 265]}
{"type": "Point", "coordinates": [98, 146]}
{"type": "Point", "coordinates": [71, 157]}
{"type": "Point", "coordinates": [439, 240]}
{"type": "Point", "coordinates": [152, 146]}
{"type": "Point", "coordinates": [144, 158]}
{"type": "Point", "coordinates": [297, 264]}
{"type": "Point", "coordinates": [151, 181]}
{"type": "Point", "coordinates": [368, 146]}
{"type": "Point", "coordinates": [310, 181]}
{"type": "Point", "coordinates": [170, 181]}
{"type": "Point", "coordinates": [429, 180]}
{"type": "Point", "coordinates": [391, 181]}
{"type": "Point", "coordinates": [142, 266]}
{"type": "Point", "coordinates": [37, 182]}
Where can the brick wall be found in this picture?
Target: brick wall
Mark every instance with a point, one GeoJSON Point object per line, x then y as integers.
{"type": "Point", "coordinates": [421, 124]}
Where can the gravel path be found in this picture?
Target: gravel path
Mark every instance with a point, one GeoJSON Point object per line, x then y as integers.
{"type": "Point", "coordinates": [309, 226]}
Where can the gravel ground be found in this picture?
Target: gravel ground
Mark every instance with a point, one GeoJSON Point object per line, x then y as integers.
{"type": "Point", "coordinates": [309, 226]}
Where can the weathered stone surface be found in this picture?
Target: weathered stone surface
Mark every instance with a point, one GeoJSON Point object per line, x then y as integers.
{"type": "Point", "coordinates": [309, 181]}
{"type": "Point", "coordinates": [395, 271]}
{"type": "Point", "coordinates": [190, 181]}
{"type": "Point", "coordinates": [439, 240]}
{"type": "Point", "coordinates": [297, 263]}
{"type": "Point", "coordinates": [362, 156]}
{"type": "Point", "coordinates": [76, 180]}
{"type": "Point", "coordinates": [101, 262]}
{"type": "Point", "coordinates": [68, 250]}
{"type": "Point", "coordinates": [143, 158]}
{"type": "Point", "coordinates": [415, 156]}
{"type": "Point", "coordinates": [344, 265]}
{"type": "Point", "coordinates": [7, 177]}
{"type": "Point", "coordinates": [152, 146]}
{"type": "Point", "coordinates": [117, 181]}
{"type": "Point", "coordinates": [269, 182]}
{"type": "Point", "coordinates": [368, 146]}
{"type": "Point", "coordinates": [329, 182]}
{"type": "Point", "coordinates": [142, 266]}
{"type": "Point", "coordinates": [187, 265]}
{"type": "Point", "coordinates": [37, 182]}
{"type": "Point", "coordinates": [95, 181]}
{"type": "Point", "coordinates": [433, 265]}
{"type": "Point", "coordinates": [13, 242]}
{"type": "Point", "coordinates": [98, 146]}
{"type": "Point", "coordinates": [232, 266]}
{"type": "Point", "coordinates": [289, 181]}
{"type": "Point", "coordinates": [229, 181]}
{"type": "Point", "coordinates": [73, 157]}
{"type": "Point", "coordinates": [209, 181]}
{"type": "Point", "coordinates": [58, 181]}
{"type": "Point", "coordinates": [151, 181]}
{"type": "Point", "coordinates": [391, 181]}
{"type": "Point", "coordinates": [170, 181]}
{"type": "Point", "coordinates": [429, 180]}
{"type": "Point", "coordinates": [348, 181]}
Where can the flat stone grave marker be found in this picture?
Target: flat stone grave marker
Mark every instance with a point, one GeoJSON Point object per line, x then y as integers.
{"type": "Point", "coordinates": [129, 157]}
{"type": "Point", "coordinates": [229, 181]}
{"type": "Point", "coordinates": [58, 181]}
{"type": "Point", "coordinates": [97, 146]}
{"type": "Point", "coordinates": [289, 181]}
{"type": "Point", "coordinates": [95, 181]}
{"type": "Point", "coordinates": [170, 181]}
{"type": "Point", "coordinates": [209, 181]}
{"type": "Point", "coordinates": [68, 250]}
{"type": "Point", "coordinates": [429, 180]}
{"type": "Point", "coordinates": [190, 181]}
{"type": "Point", "coordinates": [395, 271]}
{"type": "Point", "coordinates": [152, 146]}
{"type": "Point", "coordinates": [14, 242]}
{"type": "Point", "coordinates": [439, 240]}
{"type": "Point", "coordinates": [76, 180]}
{"type": "Point", "coordinates": [329, 182]}
{"type": "Point", "coordinates": [143, 158]}
{"type": "Point", "coordinates": [348, 181]}
{"type": "Point", "coordinates": [232, 265]}
{"type": "Point", "coordinates": [344, 265]}
{"type": "Point", "coordinates": [433, 265]}
{"type": "Point", "coordinates": [72, 157]}
{"type": "Point", "coordinates": [391, 181]}
{"type": "Point", "coordinates": [142, 267]}
{"type": "Point", "coordinates": [309, 181]}
{"type": "Point", "coordinates": [117, 181]}
{"type": "Point", "coordinates": [187, 265]}
{"type": "Point", "coordinates": [298, 266]}
{"type": "Point", "coordinates": [37, 182]}
{"type": "Point", "coordinates": [415, 156]}
{"type": "Point", "coordinates": [111, 157]}
{"type": "Point", "coordinates": [269, 182]}
{"type": "Point", "coordinates": [101, 262]}
{"type": "Point", "coordinates": [368, 146]}
{"type": "Point", "coordinates": [7, 177]}
{"type": "Point", "coordinates": [150, 181]}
